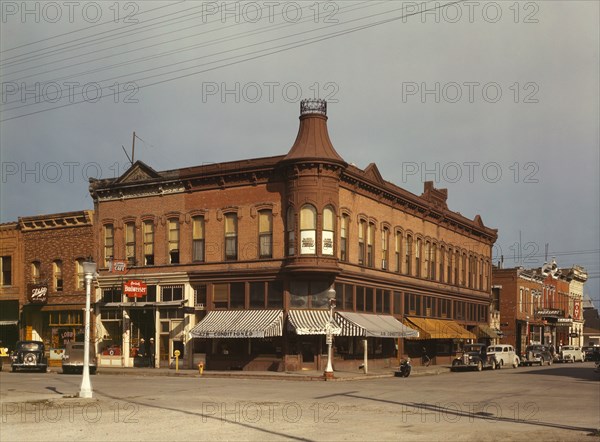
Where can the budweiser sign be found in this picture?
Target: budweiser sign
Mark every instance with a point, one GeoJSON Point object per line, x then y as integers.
{"type": "Point", "coordinates": [135, 288]}
{"type": "Point", "coordinates": [37, 293]}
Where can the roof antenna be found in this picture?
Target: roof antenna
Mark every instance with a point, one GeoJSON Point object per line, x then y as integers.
{"type": "Point", "coordinates": [132, 157]}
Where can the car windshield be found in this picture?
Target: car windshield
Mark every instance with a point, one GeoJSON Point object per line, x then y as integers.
{"type": "Point", "coordinates": [471, 348]}
{"type": "Point", "coordinates": [535, 347]}
{"type": "Point", "coordinates": [29, 346]}
{"type": "Point", "coordinates": [495, 349]}
{"type": "Point", "coordinates": [567, 347]}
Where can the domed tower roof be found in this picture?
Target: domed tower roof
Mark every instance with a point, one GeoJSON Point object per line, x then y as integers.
{"type": "Point", "coordinates": [312, 142]}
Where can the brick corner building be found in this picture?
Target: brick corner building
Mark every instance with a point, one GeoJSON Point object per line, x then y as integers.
{"type": "Point", "coordinates": [235, 262]}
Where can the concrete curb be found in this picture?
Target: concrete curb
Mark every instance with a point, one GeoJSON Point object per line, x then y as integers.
{"type": "Point", "coordinates": [289, 376]}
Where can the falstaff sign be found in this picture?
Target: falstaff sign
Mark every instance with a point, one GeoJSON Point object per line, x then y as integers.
{"type": "Point", "coordinates": [37, 293]}
{"type": "Point", "coordinates": [135, 288]}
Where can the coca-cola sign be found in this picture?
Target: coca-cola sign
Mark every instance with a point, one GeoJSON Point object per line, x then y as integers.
{"type": "Point", "coordinates": [37, 293]}
{"type": "Point", "coordinates": [135, 288]}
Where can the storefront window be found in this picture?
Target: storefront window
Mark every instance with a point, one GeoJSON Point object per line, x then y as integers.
{"type": "Point", "coordinates": [172, 293]}
{"type": "Point", "coordinates": [275, 294]}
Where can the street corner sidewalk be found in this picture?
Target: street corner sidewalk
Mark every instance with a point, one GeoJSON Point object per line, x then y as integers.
{"type": "Point", "coordinates": [303, 375]}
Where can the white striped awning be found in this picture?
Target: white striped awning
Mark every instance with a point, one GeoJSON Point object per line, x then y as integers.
{"type": "Point", "coordinates": [312, 322]}
{"type": "Point", "coordinates": [240, 324]}
{"type": "Point", "coordinates": [373, 325]}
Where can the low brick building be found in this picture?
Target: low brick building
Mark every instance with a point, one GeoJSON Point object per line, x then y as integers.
{"type": "Point", "coordinates": [233, 262]}
{"type": "Point", "coordinates": [11, 283]}
{"type": "Point", "coordinates": [54, 248]}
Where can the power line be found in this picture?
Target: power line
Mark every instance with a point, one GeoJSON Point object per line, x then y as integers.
{"type": "Point", "coordinates": [281, 48]}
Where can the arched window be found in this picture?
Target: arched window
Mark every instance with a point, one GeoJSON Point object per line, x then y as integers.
{"type": "Point", "coordinates": [418, 258]}
{"type": "Point", "coordinates": [130, 243]}
{"type": "Point", "coordinates": [79, 278]}
{"type": "Point", "coordinates": [370, 245]}
{"type": "Point", "coordinates": [327, 235]}
{"type": "Point", "coordinates": [385, 239]}
{"type": "Point", "coordinates": [362, 233]}
{"type": "Point", "coordinates": [231, 236]}
{"type": "Point", "coordinates": [265, 234]}
{"type": "Point", "coordinates": [344, 237]}
{"type": "Point", "coordinates": [148, 232]}
{"type": "Point", "coordinates": [57, 275]}
{"type": "Point", "coordinates": [398, 250]}
{"type": "Point", "coordinates": [198, 239]}
{"type": "Point", "coordinates": [173, 241]}
{"type": "Point", "coordinates": [35, 272]}
{"type": "Point", "coordinates": [291, 228]}
{"type": "Point", "coordinates": [109, 243]}
{"type": "Point", "coordinates": [408, 255]}
{"type": "Point", "coordinates": [308, 230]}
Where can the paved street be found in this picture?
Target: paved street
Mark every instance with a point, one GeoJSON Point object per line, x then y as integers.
{"type": "Point", "coordinates": [559, 402]}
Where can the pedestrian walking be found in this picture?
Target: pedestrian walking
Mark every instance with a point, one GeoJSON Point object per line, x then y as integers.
{"type": "Point", "coordinates": [151, 353]}
{"type": "Point", "coordinates": [141, 353]}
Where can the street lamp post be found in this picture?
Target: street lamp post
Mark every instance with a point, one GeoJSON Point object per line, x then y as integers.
{"type": "Point", "coordinates": [328, 374]}
{"type": "Point", "coordinates": [89, 270]}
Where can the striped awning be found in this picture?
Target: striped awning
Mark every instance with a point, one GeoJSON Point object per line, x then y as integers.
{"type": "Point", "coordinates": [312, 322]}
{"type": "Point", "coordinates": [485, 331]}
{"type": "Point", "coordinates": [373, 325]}
{"type": "Point", "coordinates": [439, 329]}
{"type": "Point", "coordinates": [240, 324]}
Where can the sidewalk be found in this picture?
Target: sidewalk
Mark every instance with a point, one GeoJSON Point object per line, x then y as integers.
{"type": "Point", "coordinates": [304, 375]}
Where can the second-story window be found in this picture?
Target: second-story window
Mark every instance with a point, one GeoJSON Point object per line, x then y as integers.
{"type": "Point", "coordinates": [265, 234]}
{"type": "Point", "coordinates": [418, 258]}
{"type": "Point", "coordinates": [398, 251]}
{"type": "Point", "coordinates": [291, 229]}
{"type": "Point", "coordinates": [198, 239]}
{"type": "Point", "coordinates": [432, 261]}
{"type": "Point", "coordinates": [35, 272]}
{"type": "Point", "coordinates": [57, 275]}
{"type": "Point", "coordinates": [344, 238]}
{"type": "Point", "coordinates": [308, 230]}
{"type": "Point", "coordinates": [370, 244]}
{"type": "Point", "coordinates": [173, 241]}
{"type": "Point", "coordinates": [130, 243]}
{"type": "Point", "coordinates": [148, 243]}
{"type": "Point", "coordinates": [6, 270]}
{"type": "Point", "coordinates": [385, 238]}
{"type": "Point", "coordinates": [231, 243]}
{"type": "Point", "coordinates": [328, 231]}
{"type": "Point", "coordinates": [362, 232]}
{"type": "Point", "coordinates": [109, 243]}
{"type": "Point", "coordinates": [79, 279]}
{"type": "Point", "coordinates": [408, 255]}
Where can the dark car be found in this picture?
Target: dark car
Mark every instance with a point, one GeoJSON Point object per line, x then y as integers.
{"type": "Point", "coordinates": [29, 355]}
{"type": "Point", "coordinates": [72, 360]}
{"type": "Point", "coordinates": [536, 354]}
{"type": "Point", "coordinates": [476, 357]}
{"type": "Point", "coordinates": [589, 353]}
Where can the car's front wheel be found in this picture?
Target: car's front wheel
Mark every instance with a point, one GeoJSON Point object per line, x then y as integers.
{"type": "Point", "coordinates": [549, 362]}
{"type": "Point", "coordinates": [515, 364]}
{"type": "Point", "coordinates": [479, 366]}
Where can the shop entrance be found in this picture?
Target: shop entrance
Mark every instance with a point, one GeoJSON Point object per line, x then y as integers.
{"type": "Point", "coordinates": [142, 326]}
{"type": "Point", "coordinates": [309, 349]}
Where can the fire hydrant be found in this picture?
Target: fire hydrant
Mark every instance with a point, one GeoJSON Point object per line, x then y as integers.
{"type": "Point", "coordinates": [201, 368]}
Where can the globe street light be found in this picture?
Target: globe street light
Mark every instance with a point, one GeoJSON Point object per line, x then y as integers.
{"type": "Point", "coordinates": [89, 270]}
{"type": "Point", "coordinates": [329, 334]}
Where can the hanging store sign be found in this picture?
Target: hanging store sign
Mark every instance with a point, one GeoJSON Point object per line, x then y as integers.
{"type": "Point", "coordinates": [135, 288]}
{"type": "Point", "coordinates": [37, 293]}
{"type": "Point", "coordinates": [117, 266]}
{"type": "Point", "coordinates": [577, 309]}
{"type": "Point", "coordinates": [564, 322]}
{"type": "Point", "coordinates": [549, 313]}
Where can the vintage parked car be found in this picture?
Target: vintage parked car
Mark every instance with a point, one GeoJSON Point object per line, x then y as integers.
{"type": "Point", "coordinates": [476, 357]}
{"type": "Point", "coordinates": [536, 354]}
{"type": "Point", "coordinates": [505, 355]}
{"type": "Point", "coordinates": [72, 360]}
{"type": "Point", "coordinates": [590, 352]}
{"type": "Point", "coordinates": [29, 355]}
{"type": "Point", "coordinates": [571, 353]}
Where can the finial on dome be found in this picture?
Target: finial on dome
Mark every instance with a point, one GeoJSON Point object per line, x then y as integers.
{"type": "Point", "coordinates": [313, 106]}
